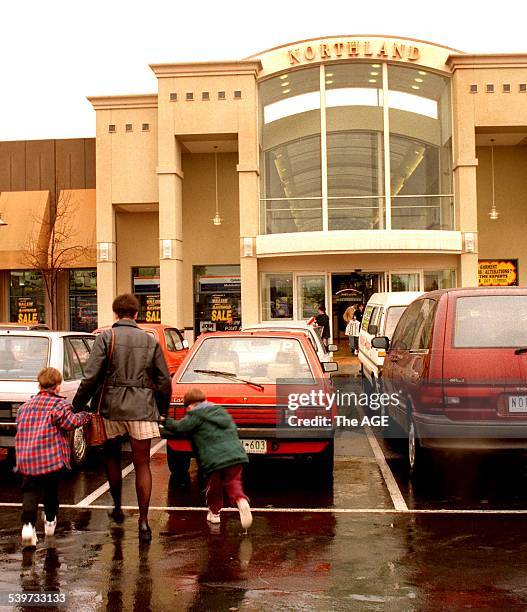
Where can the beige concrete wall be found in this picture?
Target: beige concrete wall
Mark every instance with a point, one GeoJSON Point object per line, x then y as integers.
{"type": "Point", "coordinates": [205, 243]}
{"type": "Point", "coordinates": [505, 237]}
{"type": "Point", "coordinates": [137, 245]}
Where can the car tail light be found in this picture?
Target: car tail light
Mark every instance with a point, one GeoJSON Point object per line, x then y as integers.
{"type": "Point", "coordinates": [430, 399]}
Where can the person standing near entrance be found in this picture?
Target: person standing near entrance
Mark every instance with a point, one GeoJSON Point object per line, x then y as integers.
{"type": "Point", "coordinates": [322, 320]}
{"type": "Point", "coordinates": [359, 312]}
{"type": "Point", "coordinates": [137, 390]}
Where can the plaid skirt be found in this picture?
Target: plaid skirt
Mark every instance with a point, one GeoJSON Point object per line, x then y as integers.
{"type": "Point", "coordinates": [139, 430]}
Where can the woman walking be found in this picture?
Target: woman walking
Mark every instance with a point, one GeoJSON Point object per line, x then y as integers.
{"type": "Point", "coordinates": [129, 364]}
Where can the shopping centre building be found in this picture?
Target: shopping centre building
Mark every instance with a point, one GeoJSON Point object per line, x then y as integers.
{"type": "Point", "coordinates": [314, 173]}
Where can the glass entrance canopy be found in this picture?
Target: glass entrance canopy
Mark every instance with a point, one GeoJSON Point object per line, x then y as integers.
{"type": "Point", "coordinates": [356, 146]}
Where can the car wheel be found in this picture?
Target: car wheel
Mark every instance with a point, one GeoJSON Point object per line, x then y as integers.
{"type": "Point", "coordinates": [417, 456]}
{"type": "Point", "coordinates": [79, 447]}
{"type": "Point", "coordinates": [178, 463]}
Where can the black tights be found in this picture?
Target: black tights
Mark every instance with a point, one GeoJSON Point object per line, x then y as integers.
{"type": "Point", "coordinates": [143, 476]}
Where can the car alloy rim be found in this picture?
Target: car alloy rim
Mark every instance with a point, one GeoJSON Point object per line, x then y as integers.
{"type": "Point", "coordinates": [411, 445]}
{"type": "Point", "coordinates": [79, 443]}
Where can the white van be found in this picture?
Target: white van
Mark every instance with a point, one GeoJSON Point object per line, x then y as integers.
{"type": "Point", "coordinates": [381, 315]}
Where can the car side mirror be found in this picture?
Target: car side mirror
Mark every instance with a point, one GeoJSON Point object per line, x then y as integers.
{"type": "Point", "coordinates": [381, 342]}
{"type": "Point", "coordinates": [373, 329]}
{"type": "Point", "coordinates": [332, 348]}
{"type": "Point", "coordinates": [330, 366]}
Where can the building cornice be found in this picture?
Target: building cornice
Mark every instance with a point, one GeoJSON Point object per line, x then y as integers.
{"type": "Point", "coordinates": [127, 101]}
{"type": "Point", "coordinates": [488, 60]}
{"type": "Point", "coordinates": [218, 68]}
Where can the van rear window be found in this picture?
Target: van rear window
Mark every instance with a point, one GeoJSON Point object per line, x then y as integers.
{"type": "Point", "coordinates": [488, 321]}
{"type": "Point", "coordinates": [393, 314]}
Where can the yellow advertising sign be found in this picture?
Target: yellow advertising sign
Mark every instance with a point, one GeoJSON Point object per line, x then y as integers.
{"type": "Point", "coordinates": [498, 272]}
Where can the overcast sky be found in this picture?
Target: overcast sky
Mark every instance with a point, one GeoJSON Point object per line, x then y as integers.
{"type": "Point", "coordinates": [55, 53]}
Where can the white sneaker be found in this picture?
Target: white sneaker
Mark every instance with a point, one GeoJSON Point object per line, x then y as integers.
{"type": "Point", "coordinates": [213, 518]}
{"type": "Point", "coordinates": [246, 518]}
{"type": "Point", "coordinates": [49, 526]}
{"type": "Point", "coordinates": [29, 535]}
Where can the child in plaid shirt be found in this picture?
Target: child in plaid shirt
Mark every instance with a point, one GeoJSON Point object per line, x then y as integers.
{"type": "Point", "coordinates": [43, 450]}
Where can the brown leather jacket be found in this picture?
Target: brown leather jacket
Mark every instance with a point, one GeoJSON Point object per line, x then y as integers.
{"type": "Point", "coordinates": [138, 386]}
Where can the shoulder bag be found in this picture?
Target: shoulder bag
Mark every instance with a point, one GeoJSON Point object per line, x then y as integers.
{"type": "Point", "coordinates": [96, 432]}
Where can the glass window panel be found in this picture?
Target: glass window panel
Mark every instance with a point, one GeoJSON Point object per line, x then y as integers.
{"type": "Point", "coordinates": [311, 294]}
{"type": "Point", "coordinates": [277, 296]}
{"type": "Point", "coordinates": [26, 297]}
{"type": "Point", "coordinates": [405, 282]}
{"type": "Point", "coordinates": [439, 279]}
{"type": "Point", "coordinates": [22, 357]}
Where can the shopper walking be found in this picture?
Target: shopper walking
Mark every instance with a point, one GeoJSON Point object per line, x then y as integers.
{"type": "Point", "coordinates": [136, 391]}
{"type": "Point", "coordinates": [42, 451]}
{"type": "Point", "coordinates": [322, 321]}
{"type": "Point", "coordinates": [220, 453]}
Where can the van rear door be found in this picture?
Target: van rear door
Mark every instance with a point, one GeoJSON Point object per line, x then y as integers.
{"type": "Point", "coordinates": [485, 376]}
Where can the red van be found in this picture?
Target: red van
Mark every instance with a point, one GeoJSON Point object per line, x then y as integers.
{"type": "Point", "coordinates": [458, 364]}
{"type": "Point", "coordinates": [246, 372]}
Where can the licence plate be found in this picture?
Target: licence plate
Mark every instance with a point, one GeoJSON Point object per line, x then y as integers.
{"type": "Point", "coordinates": [518, 403]}
{"type": "Point", "coordinates": [257, 447]}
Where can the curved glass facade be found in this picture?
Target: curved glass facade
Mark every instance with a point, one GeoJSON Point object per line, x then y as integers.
{"type": "Point", "coordinates": [356, 146]}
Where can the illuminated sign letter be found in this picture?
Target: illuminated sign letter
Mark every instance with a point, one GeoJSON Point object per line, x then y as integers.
{"type": "Point", "coordinates": [294, 57]}
{"type": "Point", "coordinates": [324, 50]}
{"type": "Point", "coordinates": [338, 48]}
{"type": "Point", "coordinates": [413, 53]}
{"type": "Point", "coordinates": [353, 48]}
{"type": "Point", "coordinates": [367, 48]}
{"type": "Point", "coordinates": [398, 51]}
{"type": "Point", "coordinates": [309, 53]}
{"type": "Point", "coordinates": [382, 51]}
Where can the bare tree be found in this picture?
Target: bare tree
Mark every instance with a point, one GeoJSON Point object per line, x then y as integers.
{"type": "Point", "coordinates": [53, 246]}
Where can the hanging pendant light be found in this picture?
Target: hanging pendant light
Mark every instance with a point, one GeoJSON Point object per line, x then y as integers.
{"type": "Point", "coordinates": [217, 219]}
{"type": "Point", "coordinates": [493, 214]}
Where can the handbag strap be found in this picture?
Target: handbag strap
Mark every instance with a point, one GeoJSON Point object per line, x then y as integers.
{"type": "Point", "coordinates": [110, 355]}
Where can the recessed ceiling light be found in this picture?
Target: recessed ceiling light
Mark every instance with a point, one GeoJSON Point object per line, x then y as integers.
{"type": "Point", "coordinates": [329, 74]}
{"type": "Point", "coordinates": [329, 82]}
{"type": "Point", "coordinates": [375, 65]}
{"type": "Point", "coordinates": [422, 72]}
{"type": "Point", "coordinates": [374, 73]}
{"type": "Point", "coordinates": [284, 84]}
{"type": "Point", "coordinates": [418, 80]}
{"type": "Point", "coordinates": [286, 91]}
{"type": "Point", "coordinates": [372, 80]}
{"type": "Point", "coordinates": [284, 76]}
{"type": "Point", "coordinates": [415, 87]}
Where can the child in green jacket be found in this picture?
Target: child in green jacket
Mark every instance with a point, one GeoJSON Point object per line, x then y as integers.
{"type": "Point", "coordinates": [220, 453]}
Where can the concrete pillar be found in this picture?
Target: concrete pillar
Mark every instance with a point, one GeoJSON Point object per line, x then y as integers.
{"type": "Point", "coordinates": [249, 194]}
{"type": "Point", "coordinates": [106, 262]}
{"type": "Point", "coordinates": [465, 188]}
{"type": "Point", "coordinates": [171, 237]}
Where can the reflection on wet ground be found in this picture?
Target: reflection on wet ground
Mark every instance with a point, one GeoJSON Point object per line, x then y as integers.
{"type": "Point", "coordinates": [288, 562]}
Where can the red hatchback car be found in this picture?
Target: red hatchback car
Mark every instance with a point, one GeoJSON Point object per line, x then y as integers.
{"type": "Point", "coordinates": [458, 362]}
{"type": "Point", "coordinates": [244, 371]}
{"type": "Point", "coordinates": [170, 339]}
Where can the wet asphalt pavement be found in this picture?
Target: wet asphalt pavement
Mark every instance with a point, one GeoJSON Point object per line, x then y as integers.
{"type": "Point", "coordinates": [313, 545]}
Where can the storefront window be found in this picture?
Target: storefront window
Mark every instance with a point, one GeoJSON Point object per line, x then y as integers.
{"type": "Point", "coordinates": [83, 299]}
{"type": "Point", "coordinates": [146, 288]}
{"type": "Point", "coordinates": [405, 282]}
{"type": "Point", "coordinates": [350, 105]}
{"type": "Point", "coordinates": [291, 153]}
{"type": "Point", "coordinates": [217, 295]}
{"type": "Point", "coordinates": [277, 297]}
{"type": "Point", "coordinates": [311, 295]}
{"type": "Point", "coordinates": [26, 297]}
{"type": "Point", "coordinates": [440, 279]}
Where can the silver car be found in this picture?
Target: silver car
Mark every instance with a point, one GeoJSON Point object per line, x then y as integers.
{"type": "Point", "coordinates": [22, 355]}
{"type": "Point", "coordinates": [299, 326]}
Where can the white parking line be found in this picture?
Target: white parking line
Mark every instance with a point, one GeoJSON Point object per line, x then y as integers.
{"type": "Point", "coordinates": [89, 499]}
{"type": "Point", "coordinates": [266, 510]}
{"type": "Point", "coordinates": [391, 484]}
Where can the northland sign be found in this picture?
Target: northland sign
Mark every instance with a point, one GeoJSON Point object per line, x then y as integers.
{"type": "Point", "coordinates": [365, 49]}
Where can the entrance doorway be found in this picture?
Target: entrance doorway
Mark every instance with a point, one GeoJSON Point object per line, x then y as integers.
{"type": "Point", "coordinates": [348, 290]}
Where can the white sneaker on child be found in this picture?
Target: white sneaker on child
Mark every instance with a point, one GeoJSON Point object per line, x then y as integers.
{"type": "Point", "coordinates": [49, 526]}
{"type": "Point", "coordinates": [246, 517]}
{"type": "Point", "coordinates": [29, 535]}
{"type": "Point", "coordinates": [213, 518]}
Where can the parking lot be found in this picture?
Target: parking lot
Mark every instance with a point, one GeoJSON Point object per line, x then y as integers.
{"type": "Point", "coordinates": [370, 540]}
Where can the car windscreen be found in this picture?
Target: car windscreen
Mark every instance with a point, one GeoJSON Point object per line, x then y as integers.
{"type": "Point", "coordinates": [260, 360]}
{"type": "Point", "coordinates": [491, 321]}
{"type": "Point", "coordinates": [393, 314]}
{"type": "Point", "coordinates": [22, 357]}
